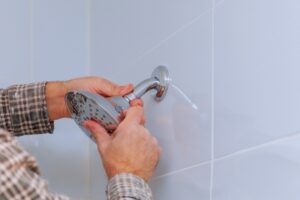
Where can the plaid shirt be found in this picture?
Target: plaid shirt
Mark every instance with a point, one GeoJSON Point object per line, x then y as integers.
{"type": "Point", "coordinates": [23, 110]}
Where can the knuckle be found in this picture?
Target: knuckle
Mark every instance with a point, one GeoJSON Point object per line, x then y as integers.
{"type": "Point", "coordinates": [138, 109]}
{"type": "Point", "coordinates": [113, 88]}
{"type": "Point", "coordinates": [145, 132]}
{"type": "Point", "coordinates": [131, 129]}
{"type": "Point", "coordinates": [155, 141]}
{"type": "Point", "coordinates": [109, 84]}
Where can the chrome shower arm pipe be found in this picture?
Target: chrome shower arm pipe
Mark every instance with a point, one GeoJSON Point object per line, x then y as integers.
{"type": "Point", "coordinates": [158, 81]}
{"type": "Point", "coordinates": [143, 87]}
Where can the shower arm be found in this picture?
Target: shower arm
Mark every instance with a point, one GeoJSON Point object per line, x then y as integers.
{"type": "Point", "coordinates": [143, 87]}
{"type": "Point", "coordinates": [158, 81]}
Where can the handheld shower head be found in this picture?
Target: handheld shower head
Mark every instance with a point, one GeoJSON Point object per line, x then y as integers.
{"type": "Point", "coordinates": [84, 105]}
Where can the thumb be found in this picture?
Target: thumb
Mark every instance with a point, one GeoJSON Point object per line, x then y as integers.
{"type": "Point", "coordinates": [134, 114]}
{"type": "Point", "coordinates": [98, 132]}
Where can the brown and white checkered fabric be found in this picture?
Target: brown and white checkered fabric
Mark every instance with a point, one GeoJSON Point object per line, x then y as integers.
{"type": "Point", "coordinates": [19, 174]}
{"type": "Point", "coordinates": [127, 186]}
{"type": "Point", "coordinates": [23, 110]}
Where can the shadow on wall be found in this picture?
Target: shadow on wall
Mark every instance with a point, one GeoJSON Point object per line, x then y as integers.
{"type": "Point", "coordinates": [182, 129]}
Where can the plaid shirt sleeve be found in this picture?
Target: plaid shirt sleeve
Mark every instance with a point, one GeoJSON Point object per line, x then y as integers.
{"type": "Point", "coordinates": [127, 186]}
{"type": "Point", "coordinates": [19, 174]}
{"type": "Point", "coordinates": [23, 110]}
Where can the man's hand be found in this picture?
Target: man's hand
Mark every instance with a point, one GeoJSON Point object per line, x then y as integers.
{"type": "Point", "coordinates": [131, 148]}
{"type": "Point", "coordinates": [55, 93]}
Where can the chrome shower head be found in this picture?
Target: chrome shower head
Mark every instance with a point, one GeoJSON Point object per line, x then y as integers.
{"type": "Point", "coordinates": [84, 105]}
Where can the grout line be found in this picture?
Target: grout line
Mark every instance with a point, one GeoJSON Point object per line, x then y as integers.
{"type": "Point", "coordinates": [181, 170]}
{"type": "Point", "coordinates": [31, 67]}
{"type": "Point", "coordinates": [89, 175]}
{"type": "Point", "coordinates": [212, 100]}
{"type": "Point", "coordinates": [88, 68]}
{"type": "Point", "coordinates": [183, 27]}
{"type": "Point", "coordinates": [261, 146]}
{"type": "Point", "coordinates": [88, 37]}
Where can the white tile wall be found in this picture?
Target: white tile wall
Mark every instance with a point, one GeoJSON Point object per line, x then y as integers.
{"type": "Point", "coordinates": [98, 178]}
{"type": "Point", "coordinates": [269, 172]}
{"type": "Point", "coordinates": [60, 36]}
{"type": "Point", "coordinates": [191, 184]}
{"type": "Point", "coordinates": [257, 60]}
{"type": "Point", "coordinates": [235, 63]}
{"type": "Point", "coordinates": [14, 42]}
{"type": "Point", "coordinates": [123, 31]}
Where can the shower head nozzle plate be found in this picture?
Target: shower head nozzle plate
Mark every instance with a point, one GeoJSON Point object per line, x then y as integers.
{"type": "Point", "coordinates": [87, 106]}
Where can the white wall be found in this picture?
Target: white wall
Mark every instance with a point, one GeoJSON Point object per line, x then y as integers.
{"type": "Point", "coordinates": [47, 40]}
{"type": "Point", "coordinates": [231, 132]}
{"type": "Point", "coordinates": [257, 61]}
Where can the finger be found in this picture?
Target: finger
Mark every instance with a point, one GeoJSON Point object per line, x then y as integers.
{"type": "Point", "coordinates": [123, 115]}
{"type": "Point", "coordinates": [108, 88]}
{"type": "Point", "coordinates": [143, 121]}
{"type": "Point", "coordinates": [134, 115]}
{"type": "Point", "coordinates": [137, 102]}
{"type": "Point", "coordinates": [98, 132]}
{"type": "Point", "coordinates": [127, 89]}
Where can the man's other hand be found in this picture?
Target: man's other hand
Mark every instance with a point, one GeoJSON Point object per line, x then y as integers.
{"type": "Point", "coordinates": [130, 149]}
{"type": "Point", "coordinates": [55, 92]}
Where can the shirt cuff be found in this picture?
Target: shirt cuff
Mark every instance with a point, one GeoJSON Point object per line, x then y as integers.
{"type": "Point", "coordinates": [28, 109]}
{"type": "Point", "coordinates": [128, 186]}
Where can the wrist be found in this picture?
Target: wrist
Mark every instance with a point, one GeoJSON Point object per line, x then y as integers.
{"type": "Point", "coordinates": [114, 171]}
{"type": "Point", "coordinates": [55, 93]}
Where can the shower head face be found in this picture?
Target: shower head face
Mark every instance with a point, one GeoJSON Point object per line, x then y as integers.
{"type": "Point", "coordinates": [88, 106]}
